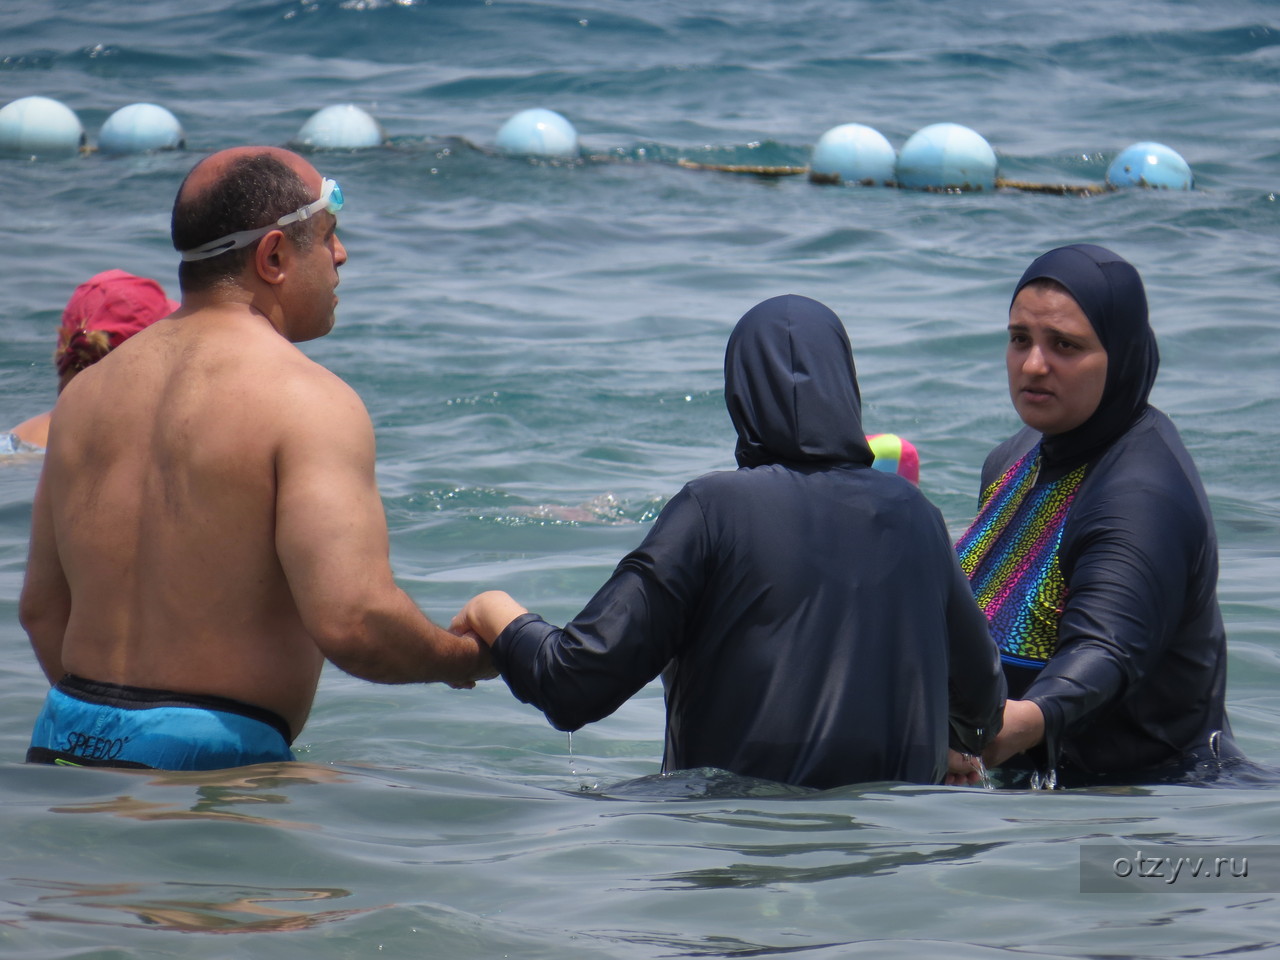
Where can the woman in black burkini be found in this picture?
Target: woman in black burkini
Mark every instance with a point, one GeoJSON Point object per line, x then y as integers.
{"type": "Point", "coordinates": [806, 612]}
{"type": "Point", "coordinates": [1094, 554]}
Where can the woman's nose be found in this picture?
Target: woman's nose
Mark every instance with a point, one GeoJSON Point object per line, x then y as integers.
{"type": "Point", "coordinates": [1035, 361]}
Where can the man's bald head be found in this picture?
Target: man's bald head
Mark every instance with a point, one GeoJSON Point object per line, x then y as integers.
{"type": "Point", "coordinates": [238, 189]}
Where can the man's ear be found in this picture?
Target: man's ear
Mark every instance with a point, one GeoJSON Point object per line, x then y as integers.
{"type": "Point", "coordinates": [271, 258]}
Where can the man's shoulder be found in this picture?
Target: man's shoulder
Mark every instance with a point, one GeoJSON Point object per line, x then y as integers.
{"type": "Point", "coordinates": [224, 377]}
{"type": "Point", "coordinates": [305, 404]}
{"type": "Point", "coordinates": [253, 357]}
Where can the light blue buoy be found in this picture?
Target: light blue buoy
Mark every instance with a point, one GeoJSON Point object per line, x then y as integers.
{"type": "Point", "coordinates": [852, 153]}
{"type": "Point", "coordinates": [946, 156]}
{"type": "Point", "coordinates": [539, 133]}
{"type": "Point", "coordinates": [141, 127]}
{"type": "Point", "coordinates": [1150, 165]}
{"type": "Point", "coordinates": [38, 126]}
{"type": "Point", "coordinates": [343, 126]}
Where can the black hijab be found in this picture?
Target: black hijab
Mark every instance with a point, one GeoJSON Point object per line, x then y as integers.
{"type": "Point", "coordinates": [1110, 293]}
{"type": "Point", "coordinates": [790, 386]}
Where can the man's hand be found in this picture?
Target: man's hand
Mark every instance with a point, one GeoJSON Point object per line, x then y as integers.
{"type": "Point", "coordinates": [1023, 729]}
{"type": "Point", "coordinates": [485, 670]}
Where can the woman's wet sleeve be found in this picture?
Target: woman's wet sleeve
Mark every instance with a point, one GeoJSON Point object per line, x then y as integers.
{"type": "Point", "coordinates": [1128, 575]}
{"type": "Point", "coordinates": [626, 634]}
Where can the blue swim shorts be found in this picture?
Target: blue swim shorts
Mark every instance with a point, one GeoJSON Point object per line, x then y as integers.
{"type": "Point", "coordinates": [89, 724]}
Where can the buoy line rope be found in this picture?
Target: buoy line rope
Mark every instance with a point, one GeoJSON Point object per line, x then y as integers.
{"type": "Point", "coordinates": [1061, 189]}
{"type": "Point", "coordinates": [938, 158]}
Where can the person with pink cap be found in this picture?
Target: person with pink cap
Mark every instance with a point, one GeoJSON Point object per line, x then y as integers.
{"type": "Point", "coordinates": [103, 312]}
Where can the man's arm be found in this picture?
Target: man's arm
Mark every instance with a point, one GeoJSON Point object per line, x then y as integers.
{"type": "Point", "coordinates": [45, 604]}
{"type": "Point", "coordinates": [331, 538]}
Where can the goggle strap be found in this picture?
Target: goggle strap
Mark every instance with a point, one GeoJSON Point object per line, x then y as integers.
{"type": "Point", "coordinates": [243, 238]}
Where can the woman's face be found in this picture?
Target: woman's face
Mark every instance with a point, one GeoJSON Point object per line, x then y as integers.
{"type": "Point", "coordinates": [1056, 363]}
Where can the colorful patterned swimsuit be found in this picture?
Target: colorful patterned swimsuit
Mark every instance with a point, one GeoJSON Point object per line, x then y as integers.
{"type": "Point", "coordinates": [1010, 555]}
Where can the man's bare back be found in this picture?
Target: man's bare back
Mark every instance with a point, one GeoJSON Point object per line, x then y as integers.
{"type": "Point", "coordinates": [208, 521]}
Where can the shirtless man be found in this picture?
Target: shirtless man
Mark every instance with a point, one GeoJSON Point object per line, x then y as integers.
{"type": "Point", "coordinates": [207, 529]}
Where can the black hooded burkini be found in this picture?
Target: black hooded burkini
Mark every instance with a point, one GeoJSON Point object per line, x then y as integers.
{"type": "Point", "coordinates": [1134, 690]}
{"type": "Point", "coordinates": [807, 613]}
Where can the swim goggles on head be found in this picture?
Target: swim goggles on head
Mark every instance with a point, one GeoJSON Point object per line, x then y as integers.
{"type": "Point", "coordinates": [330, 199]}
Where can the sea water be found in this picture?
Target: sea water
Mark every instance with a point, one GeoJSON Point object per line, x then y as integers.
{"type": "Point", "coordinates": [540, 347]}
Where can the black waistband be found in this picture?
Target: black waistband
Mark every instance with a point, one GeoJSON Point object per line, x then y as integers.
{"type": "Point", "coordinates": [63, 758]}
{"type": "Point", "coordinates": [143, 698]}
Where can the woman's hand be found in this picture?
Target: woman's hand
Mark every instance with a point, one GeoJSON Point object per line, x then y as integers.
{"type": "Point", "coordinates": [486, 615]}
{"type": "Point", "coordinates": [963, 769]}
{"type": "Point", "coordinates": [1023, 729]}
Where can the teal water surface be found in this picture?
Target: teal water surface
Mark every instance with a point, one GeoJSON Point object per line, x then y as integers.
{"type": "Point", "coordinates": [540, 348]}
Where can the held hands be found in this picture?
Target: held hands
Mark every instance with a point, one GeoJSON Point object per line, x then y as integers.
{"type": "Point", "coordinates": [484, 668]}
{"type": "Point", "coordinates": [486, 615]}
{"type": "Point", "coordinates": [480, 620]}
{"type": "Point", "coordinates": [1023, 729]}
{"type": "Point", "coordinates": [963, 769]}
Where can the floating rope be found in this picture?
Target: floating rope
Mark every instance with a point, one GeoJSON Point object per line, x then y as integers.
{"type": "Point", "coordinates": [759, 171]}
{"type": "Point", "coordinates": [938, 158]}
{"type": "Point", "coordinates": [1059, 189]}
